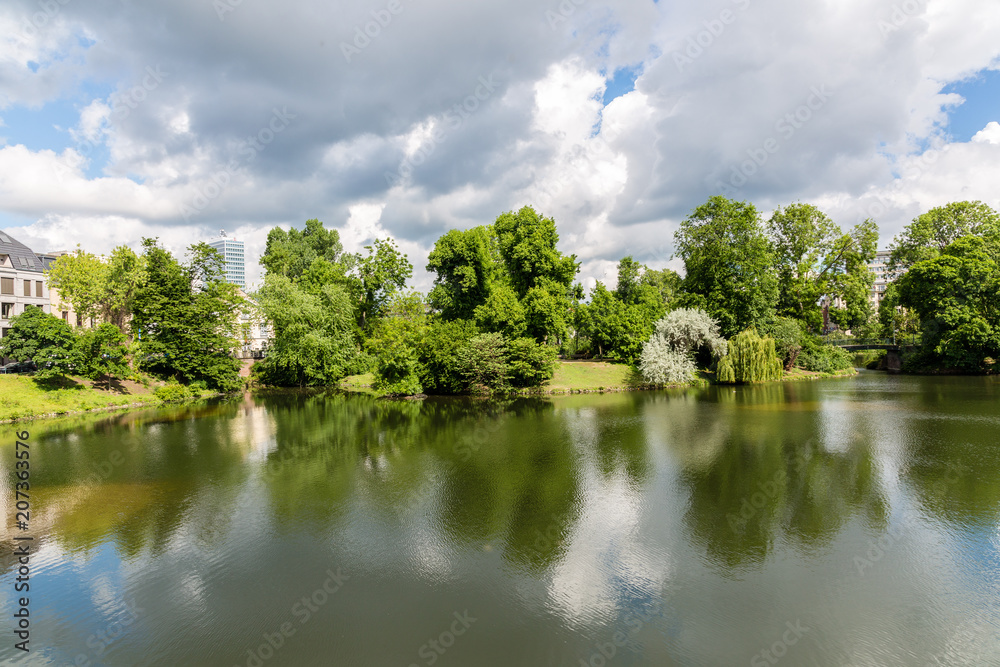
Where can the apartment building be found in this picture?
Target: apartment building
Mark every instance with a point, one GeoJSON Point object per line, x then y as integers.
{"type": "Point", "coordinates": [234, 254]}
{"type": "Point", "coordinates": [883, 276]}
{"type": "Point", "coordinates": [22, 281]}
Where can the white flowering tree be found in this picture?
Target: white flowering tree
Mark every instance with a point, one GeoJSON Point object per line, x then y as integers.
{"type": "Point", "coordinates": [668, 356]}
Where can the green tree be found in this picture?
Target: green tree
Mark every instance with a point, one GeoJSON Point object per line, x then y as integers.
{"type": "Point", "coordinates": [381, 274]}
{"type": "Point", "coordinates": [751, 359]}
{"type": "Point", "coordinates": [314, 343]}
{"type": "Point", "coordinates": [291, 253]}
{"type": "Point", "coordinates": [99, 287]}
{"type": "Point", "coordinates": [728, 264]}
{"type": "Point", "coordinates": [34, 335]}
{"type": "Point", "coordinates": [816, 259]}
{"type": "Point", "coordinates": [483, 363]}
{"type": "Point", "coordinates": [104, 353]}
{"type": "Point", "coordinates": [185, 317]}
{"type": "Point", "coordinates": [394, 344]}
{"type": "Point", "coordinates": [930, 233]}
{"type": "Point", "coordinates": [467, 263]}
{"type": "Point", "coordinates": [957, 297]}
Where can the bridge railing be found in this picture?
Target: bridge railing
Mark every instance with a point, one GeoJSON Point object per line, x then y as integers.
{"type": "Point", "coordinates": [900, 341]}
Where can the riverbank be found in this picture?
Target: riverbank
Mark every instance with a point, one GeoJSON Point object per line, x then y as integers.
{"type": "Point", "coordinates": [585, 377]}
{"type": "Point", "coordinates": [21, 397]}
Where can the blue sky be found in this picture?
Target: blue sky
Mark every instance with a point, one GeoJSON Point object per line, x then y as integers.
{"type": "Point", "coordinates": [982, 104]}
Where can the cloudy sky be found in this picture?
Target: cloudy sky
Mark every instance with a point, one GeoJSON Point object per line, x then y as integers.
{"type": "Point", "coordinates": [405, 118]}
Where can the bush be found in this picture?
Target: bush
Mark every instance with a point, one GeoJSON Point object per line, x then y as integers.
{"type": "Point", "coordinates": [750, 359]}
{"type": "Point", "coordinates": [483, 363]}
{"type": "Point", "coordinates": [529, 363]}
{"type": "Point", "coordinates": [788, 335]}
{"type": "Point", "coordinates": [821, 358]}
{"type": "Point", "coordinates": [661, 363]}
{"type": "Point", "coordinates": [172, 393]}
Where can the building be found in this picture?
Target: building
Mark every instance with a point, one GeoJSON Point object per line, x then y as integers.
{"type": "Point", "coordinates": [883, 276]}
{"type": "Point", "coordinates": [233, 252]}
{"type": "Point", "coordinates": [22, 281]}
{"type": "Point", "coordinates": [254, 331]}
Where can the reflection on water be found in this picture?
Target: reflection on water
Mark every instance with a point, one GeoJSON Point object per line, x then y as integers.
{"type": "Point", "coordinates": [683, 527]}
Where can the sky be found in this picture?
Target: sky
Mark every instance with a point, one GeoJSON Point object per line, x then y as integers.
{"type": "Point", "coordinates": [406, 118]}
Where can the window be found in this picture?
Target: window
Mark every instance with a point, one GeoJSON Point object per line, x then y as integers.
{"type": "Point", "coordinates": [38, 289]}
{"type": "Point", "coordinates": [79, 320]}
{"type": "Point", "coordinates": [6, 311]}
{"type": "Point", "coordinates": [65, 316]}
{"type": "Point", "coordinates": [7, 286]}
{"type": "Point", "coordinates": [27, 288]}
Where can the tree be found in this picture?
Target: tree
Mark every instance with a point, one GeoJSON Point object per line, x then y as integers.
{"type": "Point", "coordinates": [291, 253]}
{"type": "Point", "coordinates": [483, 363]}
{"type": "Point", "coordinates": [957, 297]}
{"type": "Point", "coordinates": [313, 341]}
{"type": "Point", "coordinates": [816, 259]}
{"type": "Point", "coordinates": [750, 359]}
{"type": "Point", "coordinates": [728, 263]}
{"type": "Point", "coordinates": [99, 287]}
{"type": "Point", "coordinates": [467, 263]}
{"type": "Point", "coordinates": [104, 353]}
{"type": "Point", "coordinates": [930, 233]}
{"type": "Point", "coordinates": [668, 355]}
{"type": "Point", "coordinates": [394, 343]}
{"type": "Point", "coordinates": [185, 317]}
{"type": "Point", "coordinates": [381, 274]}
{"type": "Point", "coordinates": [34, 335]}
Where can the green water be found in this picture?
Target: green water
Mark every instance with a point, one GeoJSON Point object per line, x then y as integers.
{"type": "Point", "coordinates": [842, 522]}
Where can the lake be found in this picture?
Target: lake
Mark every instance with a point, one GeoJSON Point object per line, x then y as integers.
{"type": "Point", "coordinates": [837, 522]}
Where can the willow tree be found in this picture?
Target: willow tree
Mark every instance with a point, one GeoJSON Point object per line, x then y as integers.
{"type": "Point", "coordinates": [750, 359]}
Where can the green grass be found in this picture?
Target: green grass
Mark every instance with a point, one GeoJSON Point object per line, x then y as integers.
{"type": "Point", "coordinates": [573, 376]}
{"type": "Point", "coordinates": [21, 397]}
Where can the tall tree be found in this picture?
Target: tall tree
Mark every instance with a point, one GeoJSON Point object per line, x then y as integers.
{"type": "Point", "coordinates": [34, 335]}
{"type": "Point", "coordinates": [467, 263]}
{"type": "Point", "coordinates": [540, 275]}
{"type": "Point", "coordinates": [291, 253]}
{"type": "Point", "coordinates": [816, 259]}
{"type": "Point", "coordinates": [381, 274]}
{"type": "Point", "coordinates": [957, 297]}
{"type": "Point", "coordinates": [729, 264]}
{"type": "Point", "coordinates": [99, 287]}
{"type": "Point", "coordinates": [928, 235]}
{"type": "Point", "coordinates": [185, 317]}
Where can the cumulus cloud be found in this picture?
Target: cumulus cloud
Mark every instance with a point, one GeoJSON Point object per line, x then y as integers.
{"type": "Point", "coordinates": [435, 116]}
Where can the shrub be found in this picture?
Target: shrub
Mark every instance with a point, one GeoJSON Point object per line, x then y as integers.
{"type": "Point", "coordinates": [661, 363]}
{"type": "Point", "coordinates": [788, 335]}
{"type": "Point", "coordinates": [172, 393]}
{"type": "Point", "coordinates": [482, 362]}
{"type": "Point", "coordinates": [529, 363]}
{"type": "Point", "coordinates": [750, 359]}
{"type": "Point", "coordinates": [668, 355]}
{"type": "Point", "coordinates": [821, 358]}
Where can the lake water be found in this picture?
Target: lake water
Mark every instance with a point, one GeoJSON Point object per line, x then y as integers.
{"type": "Point", "coordinates": [840, 522]}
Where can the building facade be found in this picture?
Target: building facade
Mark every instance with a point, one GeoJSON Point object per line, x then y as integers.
{"type": "Point", "coordinates": [235, 257]}
{"type": "Point", "coordinates": [883, 276]}
{"type": "Point", "coordinates": [23, 283]}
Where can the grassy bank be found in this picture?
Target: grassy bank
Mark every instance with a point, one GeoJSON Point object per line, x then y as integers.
{"type": "Point", "coordinates": [574, 377]}
{"type": "Point", "coordinates": [21, 397]}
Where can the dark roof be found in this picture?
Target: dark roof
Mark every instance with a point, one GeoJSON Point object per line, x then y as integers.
{"type": "Point", "coordinates": [22, 257]}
